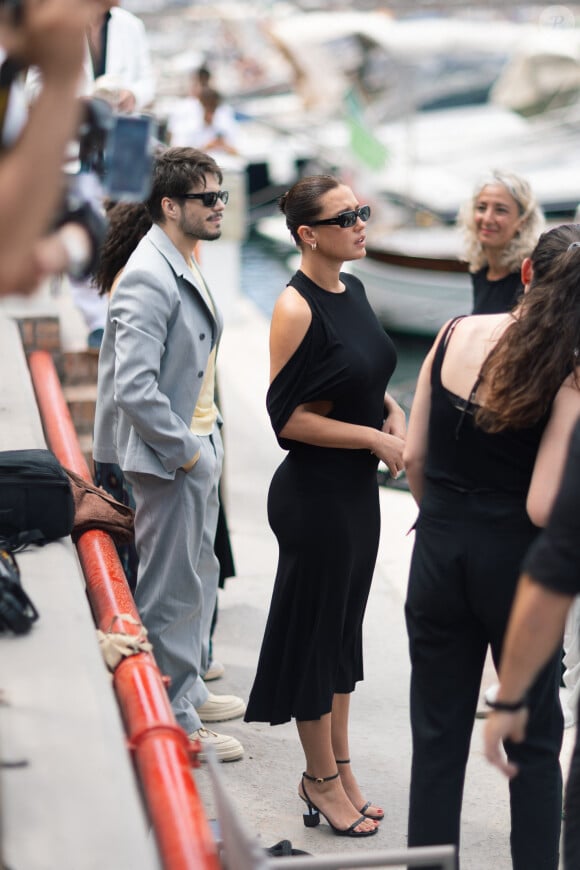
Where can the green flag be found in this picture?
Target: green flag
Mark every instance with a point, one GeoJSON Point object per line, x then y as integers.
{"type": "Point", "coordinates": [363, 143]}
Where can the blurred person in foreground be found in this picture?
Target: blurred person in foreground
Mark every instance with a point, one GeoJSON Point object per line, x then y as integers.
{"type": "Point", "coordinates": [547, 589]}
{"type": "Point", "coordinates": [156, 417]}
{"type": "Point", "coordinates": [117, 68]}
{"type": "Point", "coordinates": [51, 35]}
{"type": "Point", "coordinates": [496, 400]}
{"type": "Point", "coordinates": [501, 224]}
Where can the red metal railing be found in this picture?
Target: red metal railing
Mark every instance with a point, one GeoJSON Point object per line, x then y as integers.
{"type": "Point", "coordinates": [161, 749]}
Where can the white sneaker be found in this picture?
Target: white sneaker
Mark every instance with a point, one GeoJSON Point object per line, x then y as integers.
{"type": "Point", "coordinates": [215, 671]}
{"type": "Point", "coordinates": [220, 708]}
{"type": "Point", "coordinates": [225, 748]}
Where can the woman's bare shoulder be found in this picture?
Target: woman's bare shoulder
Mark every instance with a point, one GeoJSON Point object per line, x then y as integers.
{"type": "Point", "coordinates": [479, 332]}
{"type": "Point", "coordinates": [569, 391]}
{"type": "Point", "coordinates": [291, 319]}
{"type": "Point", "coordinates": [290, 304]}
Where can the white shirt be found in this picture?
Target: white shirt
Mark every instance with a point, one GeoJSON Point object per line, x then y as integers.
{"type": "Point", "coordinates": [128, 63]}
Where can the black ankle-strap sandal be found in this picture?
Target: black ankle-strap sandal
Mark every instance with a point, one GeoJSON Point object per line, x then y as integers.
{"type": "Point", "coordinates": [368, 804]}
{"type": "Point", "coordinates": [312, 818]}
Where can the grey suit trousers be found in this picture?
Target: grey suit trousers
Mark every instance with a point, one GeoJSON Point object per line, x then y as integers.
{"type": "Point", "coordinates": [177, 581]}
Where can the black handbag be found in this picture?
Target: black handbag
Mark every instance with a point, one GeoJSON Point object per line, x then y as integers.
{"type": "Point", "coordinates": [36, 501]}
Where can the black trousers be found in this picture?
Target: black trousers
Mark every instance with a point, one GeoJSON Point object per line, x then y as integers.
{"type": "Point", "coordinates": [572, 820]}
{"type": "Point", "coordinates": [464, 570]}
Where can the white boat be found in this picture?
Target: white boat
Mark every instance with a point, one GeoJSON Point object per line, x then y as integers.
{"type": "Point", "coordinates": [414, 280]}
{"type": "Point", "coordinates": [286, 75]}
{"type": "Point", "coordinates": [433, 158]}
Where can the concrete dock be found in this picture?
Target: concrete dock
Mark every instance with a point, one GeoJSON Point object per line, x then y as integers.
{"type": "Point", "coordinates": [262, 786]}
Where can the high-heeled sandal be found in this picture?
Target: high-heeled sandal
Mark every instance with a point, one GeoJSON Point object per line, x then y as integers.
{"type": "Point", "coordinates": [374, 816]}
{"type": "Point", "coordinates": [312, 818]}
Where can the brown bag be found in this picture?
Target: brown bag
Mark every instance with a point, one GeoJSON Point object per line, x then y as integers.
{"type": "Point", "coordinates": [96, 509]}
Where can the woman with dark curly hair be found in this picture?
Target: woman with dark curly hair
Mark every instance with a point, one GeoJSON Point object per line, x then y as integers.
{"type": "Point", "coordinates": [496, 400]}
{"type": "Point", "coordinates": [501, 223]}
{"type": "Point", "coordinates": [128, 223]}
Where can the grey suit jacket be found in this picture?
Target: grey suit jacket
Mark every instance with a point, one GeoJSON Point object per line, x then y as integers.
{"type": "Point", "coordinates": [158, 337]}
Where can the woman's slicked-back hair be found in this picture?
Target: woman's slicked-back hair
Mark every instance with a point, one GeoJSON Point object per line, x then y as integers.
{"type": "Point", "coordinates": [301, 204]}
{"type": "Point", "coordinates": [175, 172]}
{"type": "Point", "coordinates": [532, 222]}
{"type": "Point", "coordinates": [540, 348]}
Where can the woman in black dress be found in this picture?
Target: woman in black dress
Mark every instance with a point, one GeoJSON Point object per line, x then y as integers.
{"type": "Point", "coordinates": [330, 363]}
{"type": "Point", "coordinates": [501, 224]}
{"type": "Point", "coordinates": [496, 401]}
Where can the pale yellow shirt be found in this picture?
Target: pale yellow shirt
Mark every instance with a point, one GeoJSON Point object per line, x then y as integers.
{"type": "Point", "coordinates": [206, 412]}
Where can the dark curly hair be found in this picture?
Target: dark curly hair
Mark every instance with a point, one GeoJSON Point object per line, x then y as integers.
{"type": "Point", "coordinates": [540, 348]}
{"type": "Point", "coordinates": [128, 223]}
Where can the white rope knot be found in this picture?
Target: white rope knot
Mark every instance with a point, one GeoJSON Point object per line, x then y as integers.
{"type": "Point", "coordinates": [117, 645]}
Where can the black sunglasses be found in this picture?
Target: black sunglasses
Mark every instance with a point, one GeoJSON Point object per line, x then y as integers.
{"type": "Point", "coordinates": [209, 198]}
{"type": "Point", "coordinates": [346, 218]}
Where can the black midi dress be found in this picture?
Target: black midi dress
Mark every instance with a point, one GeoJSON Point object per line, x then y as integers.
{"type": "Point", "coordinates": [323, 507]}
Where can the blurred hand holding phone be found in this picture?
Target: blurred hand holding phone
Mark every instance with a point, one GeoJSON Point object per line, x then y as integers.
{"type": "Point", "coordinates": [47, 33]}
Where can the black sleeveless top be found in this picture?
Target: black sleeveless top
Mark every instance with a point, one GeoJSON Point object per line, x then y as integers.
{"type": "Point", "coordinates": [462, 456]}
{"type": "Point", "coordinates": [345, 358]}
{"type": "Point", "coordinates": [495, 297]}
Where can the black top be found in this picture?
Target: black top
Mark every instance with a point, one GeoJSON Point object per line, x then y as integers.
{"type": "Point", "coordinates": [495, 297]}
{"type": "Point", "coordinates": [99, 60]}
{"type": "Point", "coordinates": [345, 358]}
{"type": "Point", "coordinates": [554, 558]}
{"type": "Point", "coordinates": [462, 456]}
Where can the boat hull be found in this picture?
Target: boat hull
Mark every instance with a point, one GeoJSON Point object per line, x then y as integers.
{"type": "Point", "coordinates": [413, 299]}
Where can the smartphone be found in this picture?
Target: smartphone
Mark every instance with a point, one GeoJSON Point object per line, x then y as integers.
{"type": "Point", "coordinates": [128, 158]}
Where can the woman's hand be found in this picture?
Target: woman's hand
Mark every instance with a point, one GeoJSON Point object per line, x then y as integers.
{"type": "Point", "coordinates": [395, 420]}
{"type": "Point", "coordinates": [389, 449]}
{"type": "Point", "coordinates": [502, 726]}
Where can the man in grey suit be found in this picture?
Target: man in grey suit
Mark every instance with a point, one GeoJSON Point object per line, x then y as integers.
{"type": "Point", "coordinates": [156, 417]}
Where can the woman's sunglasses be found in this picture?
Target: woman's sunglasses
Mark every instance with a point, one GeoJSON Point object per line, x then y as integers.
{"type": "Point", "coordinates": [346, 218]}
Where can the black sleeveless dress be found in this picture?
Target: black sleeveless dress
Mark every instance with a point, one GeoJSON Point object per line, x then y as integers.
{"type": "Point", "coordinates": [323, 507]}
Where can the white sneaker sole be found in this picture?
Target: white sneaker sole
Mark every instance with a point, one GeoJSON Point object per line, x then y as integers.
{"type": "Point", "coordinates": [233, 754]}
{"type": "Point", "coordinates": [213, 713]}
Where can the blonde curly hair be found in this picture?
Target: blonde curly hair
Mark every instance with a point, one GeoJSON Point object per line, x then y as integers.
{"type": "Point", "coordinates": [524, 241]}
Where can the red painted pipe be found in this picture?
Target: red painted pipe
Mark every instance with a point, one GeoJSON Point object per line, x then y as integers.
{"type": "Point", "coordinates": [161, 749]}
